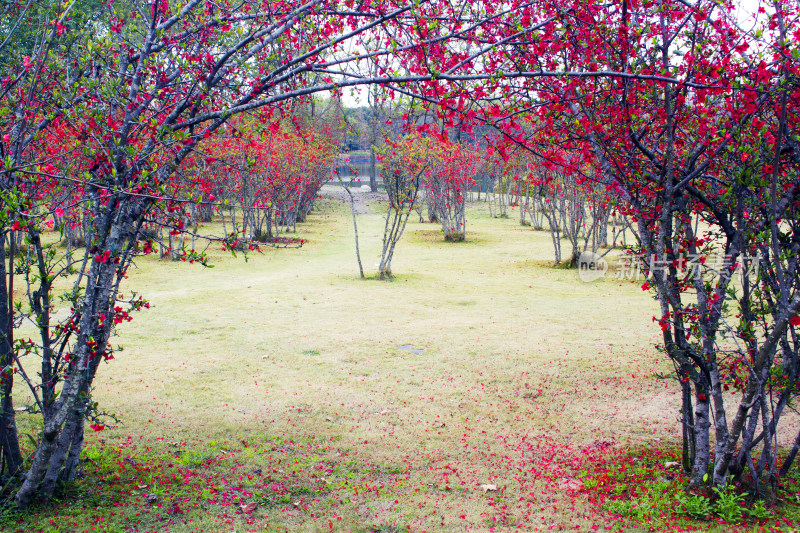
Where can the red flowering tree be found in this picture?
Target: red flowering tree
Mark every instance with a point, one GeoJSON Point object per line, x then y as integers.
{"type": "Point", "coordinates": [402, 165]}
{"type": "Point", "coordinates": [270, 170]}
{"type": "Point", "coordinates": [447, 181]}
{"type": "Point", "coordinates": [708, 170]}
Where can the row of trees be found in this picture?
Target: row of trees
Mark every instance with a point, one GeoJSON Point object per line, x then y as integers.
{"type": "Point", "coordinates": [442, 173]}
{"type": "Point", "coordinates": [669, 109]}
{"type": "Point", "coordinates": [260, 177]}
{"type": "Point", "coordinates": [571, 207]}
{"type": "Point", "coordinates": [264, 175]}
{"type": "Point", "coordinates": [426, 170]}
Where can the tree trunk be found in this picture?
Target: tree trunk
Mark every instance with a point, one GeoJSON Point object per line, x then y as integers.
{"type": "Point", "coordinates": [70, 444]}
{"type": "Point", "coordinates": [38, 469]}
{"type": "Point", "coordinates": [62, 429]}
{"type": "Point", "coordinates": [9, 439]}
{"type": "Point", "coordinates": [355, 225]}
{"type": "Point", "coordinates": [702, 441]}
{"type": "Point", "coordinates": [688, 432]}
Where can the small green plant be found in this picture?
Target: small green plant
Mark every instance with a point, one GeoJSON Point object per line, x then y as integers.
{"type": "Point", "coordinates": [729, 503]}
{"type": "Point", "coordinates": [759, 511]}
{"type": "Point", "coordinates": [696, 506]}
{"type": "Point", "coordinates": [650, 507]}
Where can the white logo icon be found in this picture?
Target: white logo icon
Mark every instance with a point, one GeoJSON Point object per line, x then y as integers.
{"type": "Point", "coordinates": [591, 266]}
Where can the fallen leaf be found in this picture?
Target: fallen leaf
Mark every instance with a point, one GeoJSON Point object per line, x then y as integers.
{"type": "Point", "coordinates": [249, 508]}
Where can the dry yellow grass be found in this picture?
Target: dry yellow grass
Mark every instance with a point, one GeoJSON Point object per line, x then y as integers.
{"type": "Point", "coordinates": [294, 328]}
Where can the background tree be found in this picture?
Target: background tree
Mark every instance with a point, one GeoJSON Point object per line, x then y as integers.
{"type": "Point", "coordinates": [402, 165]}
{"type": "Point", "coordinates": [447, 183]}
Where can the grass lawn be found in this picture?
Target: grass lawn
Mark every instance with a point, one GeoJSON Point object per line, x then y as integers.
{"type": "Point", "coordinates": [479, 390]}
